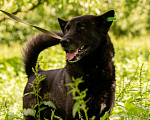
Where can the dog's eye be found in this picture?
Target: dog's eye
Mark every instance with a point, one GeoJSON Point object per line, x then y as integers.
{"type": "Point", "coordinates": [67, 29]}
{"type": "Point", "coordinates": [82, 27]}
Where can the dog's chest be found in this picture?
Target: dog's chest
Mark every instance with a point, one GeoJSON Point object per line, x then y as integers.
{"type": "Point", "coordinates": [97, 102]}
{"type": "Point", "coordinates": [98, 80]}
{"type": "Point", "coordinates": [98, 85]}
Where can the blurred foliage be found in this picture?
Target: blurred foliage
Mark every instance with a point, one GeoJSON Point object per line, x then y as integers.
{"type": "Point", "coordinates": [133, 16]}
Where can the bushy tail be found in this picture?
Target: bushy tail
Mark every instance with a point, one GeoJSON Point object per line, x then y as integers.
{"type": "Point", "coordinates": [34, 47]}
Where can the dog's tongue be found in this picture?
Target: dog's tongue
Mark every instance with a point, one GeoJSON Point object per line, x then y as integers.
{"type": "Point", "coordinates": [70, 55]}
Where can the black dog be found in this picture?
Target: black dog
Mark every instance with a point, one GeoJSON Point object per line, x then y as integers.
{"type": "Point", "coordinates": [89, 54]}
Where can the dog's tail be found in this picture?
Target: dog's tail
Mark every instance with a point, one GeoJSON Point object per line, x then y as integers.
{"type": "Point", "coordinates": [34, 47]}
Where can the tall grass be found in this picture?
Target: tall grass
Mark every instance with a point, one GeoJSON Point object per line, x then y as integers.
{"type": "Point", "coordinates": [132, 75]}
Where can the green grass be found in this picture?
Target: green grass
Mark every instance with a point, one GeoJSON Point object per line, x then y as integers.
{"type": "Point", "coordinates": [132, 75]}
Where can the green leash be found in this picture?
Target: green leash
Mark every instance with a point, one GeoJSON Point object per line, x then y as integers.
{"type": "Point", "coordinates": [36, 27]}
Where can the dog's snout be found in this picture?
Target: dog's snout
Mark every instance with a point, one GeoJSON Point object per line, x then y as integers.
{"type": "Point", "coordinates": [64, 42]}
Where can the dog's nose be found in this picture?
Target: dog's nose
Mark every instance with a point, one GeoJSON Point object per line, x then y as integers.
{"type": "Point", "coordinates": [64, 42]}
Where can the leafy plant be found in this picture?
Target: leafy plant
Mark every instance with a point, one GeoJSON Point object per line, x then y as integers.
{"type": "Point", "coordinates": [40, 101]}
{"type": "Point", "coordinates": [78, 96]}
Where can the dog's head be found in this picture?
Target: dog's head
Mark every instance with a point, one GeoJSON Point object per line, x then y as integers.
{"type": "Point", "coordinates": [83, 34]}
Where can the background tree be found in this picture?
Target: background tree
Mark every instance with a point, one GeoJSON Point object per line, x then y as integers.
{"type": "Point", "coordinates": [133, 16]}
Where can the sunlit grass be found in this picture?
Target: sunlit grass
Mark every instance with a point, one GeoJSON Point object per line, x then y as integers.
{"type": "Point", "coordinates": [10, 51]}
{"type": "Point", "coordinates": [132, 72]}
{"type": "Point", "coordinates": [12, 78]}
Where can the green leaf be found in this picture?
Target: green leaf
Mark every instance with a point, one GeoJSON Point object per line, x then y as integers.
{"type": "Point", "coordinates": [80, 97]}
{"type": "Point", "coordinates": [29, 112]}
{"type": "Point", "coordinates": [50, 104]}
{"type": "Point", "coordinates": [76, 108]}
{"type": "Point", "coordinates": [28, 93]}
{"type": "Point", "coordinates": [41, 109]}
{"type": "Point", "coordinates": [70, 84]}
{"type": "Point", "coordinates": [71, 91]}
{"type": "Point", "coordinates": [106, 116]}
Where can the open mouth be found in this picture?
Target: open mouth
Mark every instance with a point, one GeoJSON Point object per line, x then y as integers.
{"type": "Point", "coordinates": [76, 55]}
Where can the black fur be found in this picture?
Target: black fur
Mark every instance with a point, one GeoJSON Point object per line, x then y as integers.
{"type": "Point", "coordinates": [89, 52]}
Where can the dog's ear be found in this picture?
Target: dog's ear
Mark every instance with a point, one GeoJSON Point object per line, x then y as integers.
{"type": "Point", "coordinates": [62, 23]}
{"type": "Point", "coordinates": [103, 20]}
